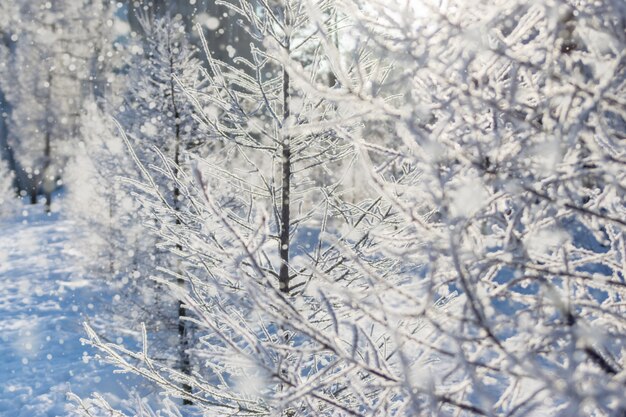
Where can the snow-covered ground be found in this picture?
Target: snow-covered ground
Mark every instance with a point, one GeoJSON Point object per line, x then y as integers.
{"type": "Point", "coordinates": [43, 302]}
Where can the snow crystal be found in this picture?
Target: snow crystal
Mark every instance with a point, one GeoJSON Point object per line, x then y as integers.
{"type": "Point", "coordinates": [149, 129]}
{"type": "Point", "coordinates": [468, 195]}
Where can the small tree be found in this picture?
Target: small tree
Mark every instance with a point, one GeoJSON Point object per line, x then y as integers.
{"type": "Point", "coordinates": [159, 116]}
{"type": "Point", "coordinates": [99, 203]}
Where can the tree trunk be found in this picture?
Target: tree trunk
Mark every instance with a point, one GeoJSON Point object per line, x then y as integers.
{"type": "Point", "coordinates": [33, 192]}
{"type": "Point", "coordinates": [47, 153]}
{"type": "Point", "coordinates": [183, 337]}
{"type": "Point", "coordinates": [285, 224]}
